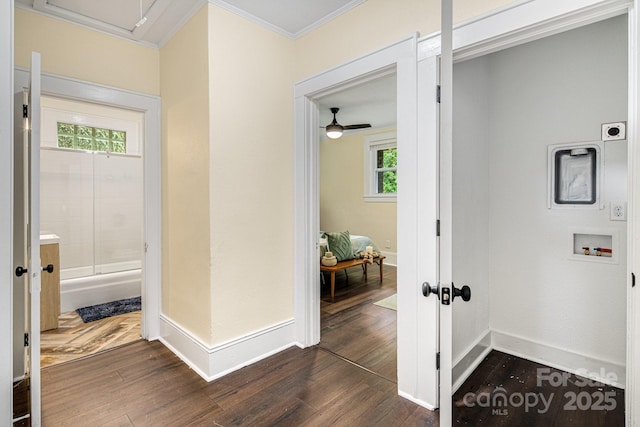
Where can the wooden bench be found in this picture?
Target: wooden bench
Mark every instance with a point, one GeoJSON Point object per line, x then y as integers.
{"type": "Point", "coordinates": [342, 265]}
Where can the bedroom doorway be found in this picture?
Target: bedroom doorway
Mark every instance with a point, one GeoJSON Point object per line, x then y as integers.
{"type": "Point", "coordinates": [416, 317]}
{"type": "Point", "coordinates": [357, 191]}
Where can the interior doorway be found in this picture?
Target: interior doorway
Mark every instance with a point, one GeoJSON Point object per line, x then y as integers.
{"type": "Point", "coordinates": [91, 213]}
{"type": "Point", "coordinates": [357, 192]}
{"type": "Point", "coordinates": [416, 352]}
{"type": "Point", "coordinates": [149, 107]}
{"type": "Point", "coordinates": [535, 262]}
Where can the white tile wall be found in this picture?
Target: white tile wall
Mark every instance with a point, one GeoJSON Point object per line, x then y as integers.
{"type": "Point", "coordinates": [94, 203]}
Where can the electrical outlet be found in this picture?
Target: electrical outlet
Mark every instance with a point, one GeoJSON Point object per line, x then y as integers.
{"type": "Point", "coordinates": [387, 244]}
{"type": "Point", "coordinates": [618, 211]}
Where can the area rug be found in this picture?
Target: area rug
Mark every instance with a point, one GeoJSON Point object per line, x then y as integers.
{"type": "Point", "coordinates": [109, 309]}
{"type": "Point", "coordinates": [389, 302]}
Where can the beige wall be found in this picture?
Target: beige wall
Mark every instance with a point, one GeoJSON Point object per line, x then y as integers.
{"type": "Point", "coordinates": [72, 51]}
{"type": "Point", "coordinates": [186, 288]}
{"type": "Point", "coordinates": [342, 206]}
{"type": "Point", "coordinates": [226, 87]}
{"type": "Point", "coordinates": [251, 166]}
{"type": "Point", "coordinates": [375, 24]}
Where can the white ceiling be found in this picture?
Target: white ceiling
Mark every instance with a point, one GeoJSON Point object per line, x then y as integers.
{"type": "Point", "coordinates": [291, 18]}
{"type": "Point", "coordinates": [372, 102]}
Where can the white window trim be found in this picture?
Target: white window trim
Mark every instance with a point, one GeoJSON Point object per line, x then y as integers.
{"type": "Point", "coordinates": [372, 144]}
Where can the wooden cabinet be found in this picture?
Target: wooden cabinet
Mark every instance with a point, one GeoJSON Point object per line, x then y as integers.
{"type": "Point", "coordinates": [50, 293]}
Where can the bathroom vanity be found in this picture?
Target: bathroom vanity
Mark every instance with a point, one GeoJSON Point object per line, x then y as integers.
{"type": "Point", "coordinates": [50, 285]}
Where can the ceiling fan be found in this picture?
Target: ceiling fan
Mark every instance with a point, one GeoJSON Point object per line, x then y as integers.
{"type": "Point", "coordinates": [335, 129]}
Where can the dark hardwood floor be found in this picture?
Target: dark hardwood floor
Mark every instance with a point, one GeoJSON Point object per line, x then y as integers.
{"type": "Point", "coordinates": [21, 402]}
{"type": "Point", "coordinates": [535, 395]}
{"type": "Point", "coordinates": [144, 384]}
{"type": "Point", "coordinates": [347, 380]}
{"type": "Point", "coordinates": [353, 327]}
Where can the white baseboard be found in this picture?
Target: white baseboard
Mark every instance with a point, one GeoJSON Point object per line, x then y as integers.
{"type": "Point", "coordinates": [469, 360]}
{"type": "Point", "coordinates": [98, 289]}
{"type": "Point", "coordinates": [216, 361]}
{"type": "Point", "coordinates": [391, 258]}
{"type": "Point", "coordinates": [599, 370]}
{"type": "Point", "coordinates": [416, 401]}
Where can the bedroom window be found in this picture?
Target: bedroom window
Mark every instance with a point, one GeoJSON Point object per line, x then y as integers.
{"type": "Point", "coordinates": [381, 168]}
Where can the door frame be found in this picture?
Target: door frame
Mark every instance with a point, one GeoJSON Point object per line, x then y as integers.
{"type": "Point", "coordinates": [528, 21]}
{"type": "Point", "coordinates": [416, 352]}
{"type": "Point", "coordinates": [6, 212]}
{"type": "Point", "coordinates": [149, 105]}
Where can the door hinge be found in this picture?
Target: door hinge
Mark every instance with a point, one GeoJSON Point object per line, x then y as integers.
{"type": "Point", "coordinates": [25, 110]}
{"type": "Point", "coordinates": [438, 94]}
{"type": "Point", "coordinates": [633, 280]}
{"type": "Point", "coordinates": [438, 361]}
{"type": "Point", "coordinates": [26, 339]}
{"type": "Point", "coordinates": [437, 228]}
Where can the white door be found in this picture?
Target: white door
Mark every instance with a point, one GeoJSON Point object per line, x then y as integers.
{"type": "Point", "coordinates": [446, 289]}
{"type": "Point", "coordinates": [27, 213]}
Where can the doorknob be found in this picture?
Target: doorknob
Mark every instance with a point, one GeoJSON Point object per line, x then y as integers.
{"type": "Point", "coordinates": [427, 289]}
{"type": "Point", "coordinates": [20, 271]}
{"type": "Point", "coordinates": [447, 297]}
{"type": "Point", "coordinates": [464, 292]}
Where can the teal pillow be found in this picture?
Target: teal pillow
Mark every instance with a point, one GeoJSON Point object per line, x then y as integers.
{"type": "Point", "coordinates": [340, 245]}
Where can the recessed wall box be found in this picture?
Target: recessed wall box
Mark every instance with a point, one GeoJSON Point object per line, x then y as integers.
{"type": "Point", "coordinates": [575, 175]}
{"type": "Point", "coordinates": [614, 131]}
{"type": "Point", "coordinates": [593, 245]}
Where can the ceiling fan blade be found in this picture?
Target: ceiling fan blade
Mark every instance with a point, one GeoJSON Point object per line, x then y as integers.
{"type": "Point", "coordinates": [360, 126]}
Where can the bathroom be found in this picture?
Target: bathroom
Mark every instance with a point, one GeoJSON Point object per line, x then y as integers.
{"type": "Point", "coordinates": [91, 201]}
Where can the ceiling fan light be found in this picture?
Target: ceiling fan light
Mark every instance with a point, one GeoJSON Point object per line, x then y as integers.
{"type": "Point", "coordinates": [334, 131]}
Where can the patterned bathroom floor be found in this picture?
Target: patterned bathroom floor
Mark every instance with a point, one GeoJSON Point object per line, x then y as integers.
{"type": "Point", "coordinates": [74, 339]}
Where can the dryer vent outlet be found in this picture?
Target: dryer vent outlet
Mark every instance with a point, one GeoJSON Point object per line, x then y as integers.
{"type": "Point", "coordinates": [614, 131]}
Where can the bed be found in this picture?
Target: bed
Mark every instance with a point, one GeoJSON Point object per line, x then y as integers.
{"type": "Point", "coordinates": [358, 244]}
{"type": "Point", "coordinates": [349, 258]}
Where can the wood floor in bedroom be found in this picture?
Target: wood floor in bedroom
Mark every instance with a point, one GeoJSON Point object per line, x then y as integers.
{"type": "Point", "coordinates": [354, 328]}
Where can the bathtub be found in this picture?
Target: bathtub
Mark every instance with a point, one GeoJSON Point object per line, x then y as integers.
{"type": "Point", "coordinates": [100, 288]}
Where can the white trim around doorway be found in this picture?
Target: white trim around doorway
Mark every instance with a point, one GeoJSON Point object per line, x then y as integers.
{"type": "Point", "coordinates": [6, 210]}
{"type": "Point", "coordinates": [150, 106]}
{"type": "Point", "coordinates": [413, 338]}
